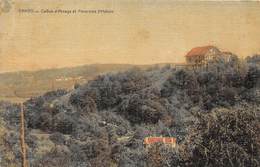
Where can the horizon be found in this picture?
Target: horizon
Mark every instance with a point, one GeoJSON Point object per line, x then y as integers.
{"type": "Point", "coordinates": [137, 64]}
{"type": "Point", "coordinates": [78, 66]}
{"type": "Point", "coordinates": [137, 33]}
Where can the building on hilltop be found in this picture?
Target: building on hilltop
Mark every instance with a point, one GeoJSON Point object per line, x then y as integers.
{"type": "Point", "coordinates": [201, 55]}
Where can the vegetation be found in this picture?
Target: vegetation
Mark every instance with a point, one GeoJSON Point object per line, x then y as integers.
{"type": "Point", "coordinates": [213, 112]}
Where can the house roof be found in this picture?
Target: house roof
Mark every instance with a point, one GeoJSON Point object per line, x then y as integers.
{"type": "Point", "coordinates": [199, 51]}
{"type": "Point", "coordinates": [166, 140]}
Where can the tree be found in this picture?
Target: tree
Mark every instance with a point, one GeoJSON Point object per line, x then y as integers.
{"type": "Point", "coordinates": [224, 138]}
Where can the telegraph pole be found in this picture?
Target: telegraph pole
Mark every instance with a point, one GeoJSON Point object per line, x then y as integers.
{"type": "Point", "coordinates": [22, 138]}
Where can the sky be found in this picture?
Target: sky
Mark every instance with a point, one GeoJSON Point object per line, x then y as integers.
{"type": "Point", "coordinates": [137, 32]}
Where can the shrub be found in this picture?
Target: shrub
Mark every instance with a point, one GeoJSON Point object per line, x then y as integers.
{"type": "Point", "coordinates": [83, 102]}
{"type": "Point", "coordinates": [64, 123]}
{"type": "Point", "coordinates": [252, 77]}
{"type": "Point", "coordinates": [57, 138]}
{"type": "Point", "coordinates": [224, 138]}
{"type": "Point", "coordinates": [139, 110]}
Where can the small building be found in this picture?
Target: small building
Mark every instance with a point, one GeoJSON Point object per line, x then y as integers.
{"type": "Point", "coordinates": [170, 141]}
{"type": "Point", "coordinates": [201, 55]}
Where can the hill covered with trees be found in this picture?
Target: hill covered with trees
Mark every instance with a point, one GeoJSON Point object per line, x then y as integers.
{"type": "Point", "coordinates": [213, 112]}
{"type": "Point", "coordinates": [25, 84]}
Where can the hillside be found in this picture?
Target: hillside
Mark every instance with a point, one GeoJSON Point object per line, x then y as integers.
{"type": "Point", "coordinates": [25, 84]}
{"type": "Point", "coordinates": [213, 112]}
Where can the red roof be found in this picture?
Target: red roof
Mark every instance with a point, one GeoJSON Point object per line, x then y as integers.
{"type": "Point", "coordinates": [199, 51]}
{"type": "Point", "coordinates": [166, 140]}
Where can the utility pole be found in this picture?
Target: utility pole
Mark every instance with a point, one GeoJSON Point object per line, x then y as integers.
{"type": "Point", "coordinates": [22, 138]}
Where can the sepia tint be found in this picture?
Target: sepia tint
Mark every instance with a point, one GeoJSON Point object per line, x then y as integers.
{"type": "Point", "coordinates": [129, 83]}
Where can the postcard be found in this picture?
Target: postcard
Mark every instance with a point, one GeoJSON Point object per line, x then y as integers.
{"type": "Point", "coordinates": [129, 83]}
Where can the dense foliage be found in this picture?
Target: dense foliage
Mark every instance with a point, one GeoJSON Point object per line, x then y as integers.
{"type": "Point", "coordinates": [213, 111]}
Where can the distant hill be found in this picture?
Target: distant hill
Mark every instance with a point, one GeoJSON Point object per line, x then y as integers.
{"type": "Point", "coordinates": [15, 86]}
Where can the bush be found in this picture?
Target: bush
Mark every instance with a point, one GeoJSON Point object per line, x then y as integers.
{"type": "Point", "coordinates": [57, 138]}
{"type": "Point", "coordinates": [160, 155]}
{"type": "Point", "coordinates": [57, 157]}
{"type": "Point", "coordinates": [95, 152]}
{"type": "Point", "coordinates": [224, 138]}
{"type": "Point", "coordinates": [139, 110]}
{"type": "Point", "coordinates": [83, 102]}
{"type": "Point", "coordinates": [64, 123]}
{"type": "Point", "coordinates": [179, 80]}
{"type": "Point", "coordinates": [252, 77]}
